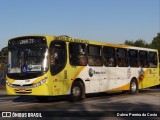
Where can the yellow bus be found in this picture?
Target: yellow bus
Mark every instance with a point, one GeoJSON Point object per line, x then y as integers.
{"type": "Point", "coordinates": [43, 65]}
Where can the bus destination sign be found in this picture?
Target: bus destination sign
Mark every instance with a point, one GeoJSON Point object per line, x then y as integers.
{"type": "Point", "coordinates": [26, 41]}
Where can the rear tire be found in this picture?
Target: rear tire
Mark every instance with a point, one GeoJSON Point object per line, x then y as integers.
{"type": "Point", "coordinates": [77, 91]}
{"type": "Point", "coordinates": [133, 86]}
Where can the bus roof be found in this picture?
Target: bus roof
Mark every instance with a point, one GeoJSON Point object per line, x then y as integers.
{"type": "Point", "coordinates": [70, 39]}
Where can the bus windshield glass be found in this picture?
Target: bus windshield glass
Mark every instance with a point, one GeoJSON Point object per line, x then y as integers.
{"type": "Point", "coordinates": [28, 58]}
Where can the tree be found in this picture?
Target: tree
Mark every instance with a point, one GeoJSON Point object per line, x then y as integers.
{"type": "Point", "coordinates": [156, 42]}
{"type": "Point", "coordinates": [137, 43]}
{"type": "Point", "coordinates": [3, 58]}
{"type": "Point", "coordinates": [127, 42]}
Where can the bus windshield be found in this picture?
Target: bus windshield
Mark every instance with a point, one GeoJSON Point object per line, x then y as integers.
{"type": "Point", "coordinates": [27, 60]}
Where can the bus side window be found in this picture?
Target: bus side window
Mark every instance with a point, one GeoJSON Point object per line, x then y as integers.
{"type": "Point", "coordinates": [78, 54]}
{"type": "Point", "coordinates": [109, 58]}
{"type": "Point", "coordinates": [153, 59]}
{"type": "Point", "coordinates": [122, 57]}
{"type": "Point", "coordinates": [58, 56]}
{"type": "Point", "coordinates": [143, 59]}
{"type": "Point", "coordinates": [133, 58]}
{"type": "Point", "coordinates": [95, 55]}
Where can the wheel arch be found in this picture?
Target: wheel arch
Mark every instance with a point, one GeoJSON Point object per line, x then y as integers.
{"type": "Point", "coordinates": [79, 80]}
{"type": "Point", "coordinates": [135, 79]}
{"type": "Point", "coordinates": [82, 96]}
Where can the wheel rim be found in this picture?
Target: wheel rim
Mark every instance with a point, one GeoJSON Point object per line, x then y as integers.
{"type": "Point", "coordinates": [76, 91]}
{"type": "Point", "coordinates": [133, 86]}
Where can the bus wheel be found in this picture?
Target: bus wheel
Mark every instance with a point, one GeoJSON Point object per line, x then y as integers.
{"type": "Point", "coordinates": [77, 91]}
{"type": "Point", "coordinates": [133, 86]}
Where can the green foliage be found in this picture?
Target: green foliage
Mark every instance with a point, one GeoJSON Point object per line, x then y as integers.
{"type": "Point", "coordinates": [155, 44]}
{"type": "Point", "coordinates": [4, 51]}
{"type": "Point", "coordinates": [137, 43]}
{"type": "Point", "coordinates": [3, 58]}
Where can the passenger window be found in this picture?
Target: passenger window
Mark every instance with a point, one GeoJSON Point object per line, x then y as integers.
{"type": "Point", "coordinates": [133, 58]}
{"type": "Point", "coordinates": [153, 59]}
{"type": "Point", "coordinates": [78, 54]}
{"type": "Point", "coordinates": [58, 56]}
{"type": "Point", "coordinates": [94, 55]}
{"type": "Point", "coordinates": [109, 58]}
{"type": "Point", "coordinates": [143, 59]}
{"type": "Point", "coordinates": [122, 57]}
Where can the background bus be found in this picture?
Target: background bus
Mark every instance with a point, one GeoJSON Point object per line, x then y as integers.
{"type": "Point", "coordinates": [60, 65]}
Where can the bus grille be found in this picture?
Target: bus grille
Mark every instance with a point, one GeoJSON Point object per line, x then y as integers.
{"type": "Point", "coordinates": [24, 91]}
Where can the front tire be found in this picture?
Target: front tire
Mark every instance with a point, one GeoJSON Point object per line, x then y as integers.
{"type": "Point", "coordinates": [77, 91]}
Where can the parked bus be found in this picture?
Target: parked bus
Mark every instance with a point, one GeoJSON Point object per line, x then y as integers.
{"type": "Point", "coordinates": [60, 65]}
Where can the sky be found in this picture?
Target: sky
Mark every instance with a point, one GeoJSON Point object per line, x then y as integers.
{"type": "Point", "coordinates": [112, 21]}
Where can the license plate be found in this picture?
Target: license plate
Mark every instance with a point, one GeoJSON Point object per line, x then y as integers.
{"type": "Point", "coordinates": [22, 90]}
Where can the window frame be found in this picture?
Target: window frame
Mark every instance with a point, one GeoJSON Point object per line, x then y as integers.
{"type": "Point", "coordinates": [110, 60]}
{"type": "Point", "coordinates": [78, 56]}
{"type": "Point", "coordinates": [143, 61]}
{"type": "Point", "coordinates": [59, 67]}
{"type": "Point", "coordinates": [122, 58]}
{"type": "Point", "coordinates": [152, 59]}
{"type": "Point", "coordinates": [134, 59]}
{"type": "Point", "coordinates": [93, 57]}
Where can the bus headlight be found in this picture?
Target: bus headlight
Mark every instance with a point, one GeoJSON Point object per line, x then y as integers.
{"type": "Point", "coordinates": [9, 84]}
{"type": "Point", "coordinates": [40, 82]}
